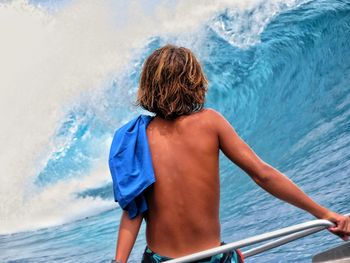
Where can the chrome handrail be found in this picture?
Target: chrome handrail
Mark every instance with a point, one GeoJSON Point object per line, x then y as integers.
{"type": "Point", "coordinates": [288, 234]}
{"type": "Point", "coordinates": [281, 241]}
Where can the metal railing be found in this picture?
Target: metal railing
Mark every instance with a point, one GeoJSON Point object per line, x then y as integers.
{"type": "Point", "coordinates": [284, 236]}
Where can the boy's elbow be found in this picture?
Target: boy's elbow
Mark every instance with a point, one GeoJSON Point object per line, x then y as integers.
{"type": "Point", "coordinates": [263, 174]}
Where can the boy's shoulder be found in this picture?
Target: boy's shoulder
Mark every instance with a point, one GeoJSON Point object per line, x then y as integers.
{"type": "Point", "coordinates": [214, 120]}
{"type": "Point", "coordinates": [202, 117]}
{"type": "Point", "coordinates": [212, 114]}
{"type": "Point", "coordinates": [205, 119]}
{"type": "Point", "coordinates": [211, 111]}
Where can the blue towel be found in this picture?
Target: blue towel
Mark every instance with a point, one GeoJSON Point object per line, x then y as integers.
{"type": "Point", "coordinates": [130, 164]}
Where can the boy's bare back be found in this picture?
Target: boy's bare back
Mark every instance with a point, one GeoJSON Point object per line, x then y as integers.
{"type": "Point", "coordinates": [183, 214]}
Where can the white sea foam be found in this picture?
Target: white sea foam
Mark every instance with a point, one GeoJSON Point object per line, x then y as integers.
{"type": "Point", "coordinates": [47, 61]}
{"type": "Point", "coordinates": [58, 203]}
{"type": "Point", "coordinates": [242, 28]}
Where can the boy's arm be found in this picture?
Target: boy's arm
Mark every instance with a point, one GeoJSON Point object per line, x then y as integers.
{"type": "Point", "coordinates": [272, 180]}
{"type": "Point", "coordinates": [128, 231]}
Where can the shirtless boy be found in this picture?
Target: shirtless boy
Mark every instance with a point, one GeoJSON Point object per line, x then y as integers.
{"type": "Point", "coordinates": [184, 140]}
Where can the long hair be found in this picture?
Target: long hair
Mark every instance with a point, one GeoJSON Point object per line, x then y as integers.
{"type": "Point", "coordinates": [172, 83]}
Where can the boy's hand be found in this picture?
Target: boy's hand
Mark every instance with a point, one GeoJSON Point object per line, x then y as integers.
{"type": "Point", "coordinates": [342, 225]}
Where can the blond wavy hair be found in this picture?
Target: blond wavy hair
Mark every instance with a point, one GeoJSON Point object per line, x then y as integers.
{"type": "Point", "coordinates": [172, 83]}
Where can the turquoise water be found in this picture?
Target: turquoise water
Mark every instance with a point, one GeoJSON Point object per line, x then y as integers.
{"type": "Point", "coordinates": [280, 73]}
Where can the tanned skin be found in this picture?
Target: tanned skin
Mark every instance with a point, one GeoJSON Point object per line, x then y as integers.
{"type": "Point", "coordinates": [183, 215]}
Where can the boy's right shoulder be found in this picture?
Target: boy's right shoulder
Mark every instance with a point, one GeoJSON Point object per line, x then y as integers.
{"type": "Point", "coordinates": [215, 120]}
{"type": "Point", "coordinates": [213, 114]}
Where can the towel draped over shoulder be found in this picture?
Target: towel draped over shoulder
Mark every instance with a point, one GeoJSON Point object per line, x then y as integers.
{"type": "Point", "coordinates": [130, 164]}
